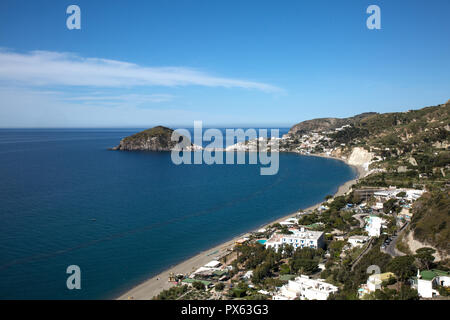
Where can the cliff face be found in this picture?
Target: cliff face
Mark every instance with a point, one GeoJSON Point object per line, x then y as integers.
{"type": "Point", "coordinates": [360, 157]}
{"type": "Point", "coordinates": [154, 139]}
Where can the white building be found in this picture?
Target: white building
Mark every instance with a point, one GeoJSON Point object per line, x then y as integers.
{"type": "Point", "coordinates": [374, 225]}
{"type": "Point", "coordinates": [289, 222]}
{"type": "Point", "coordinates": [212, 264]}
{"type": "Point", "coordinates": [357, 241]}
{"type": "Point", "coordinates": [374, 283]}
{"type": "Point", "coordinates": [411, 194]}
{"type": "Point", "coordinates": [298, 239]}
{"type": "Point", "coordinates": [428, 280]}
{"type": "Point", "coordinates": [304, 288]}
{"type": "Point", "coordinates": [378, 206]}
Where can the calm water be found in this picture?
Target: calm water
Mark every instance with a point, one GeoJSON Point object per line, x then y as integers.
{"type": "Point", "coordinates": [124, 216]}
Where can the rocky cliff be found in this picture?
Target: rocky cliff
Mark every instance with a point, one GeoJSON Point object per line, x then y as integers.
{"type": "Point", "coordinates": [154, 139]}
{"type": "Point", "coordinates": [360, 157]}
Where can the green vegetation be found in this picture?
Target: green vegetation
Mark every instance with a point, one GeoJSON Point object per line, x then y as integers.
{"type": "Point", "coordinates": [391, 206]}
{"type": "Point", "coordinates": [403, 267]}
{"type": "Point", "coordinates": [431, 219]}
{"type": "Point", "coordinates": [155, 139]}
{"type": "Point", "coordinates": [443, 291]}
{"type": "Point", "coordinates": [268, 263]}
{"type": "Point", "coordinates": [198, 285]}
{"type": "Point", "coordinates": [172, 293]}
{"type": "Point", "coordinates": [305, 260]}
{"type": "Point", "coordinates": [425, 257]}
{"type": "Point", "coordinates": [348, 280]}
{"type": "Point", "coordinates": [239, 291]}
{"type": "Point", "coordinates": [349, 134]}
{"type": "Point", "coordinates": [158, 131]}
{"type": "Point", "coordinates": [219, 286]}
{"type": "Point", "coordinates": [405, 293]}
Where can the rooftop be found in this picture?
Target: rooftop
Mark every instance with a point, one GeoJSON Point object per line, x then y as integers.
{"type": "Point", "coordinates": [189, 280]}
{"type": "Point", "coordinates": [380, 277]}
{"type": "Point", "coordinates": [431, 274]}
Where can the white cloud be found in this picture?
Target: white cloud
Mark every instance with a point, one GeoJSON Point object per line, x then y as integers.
{"type": "Point", "coordinates": [43, 68]}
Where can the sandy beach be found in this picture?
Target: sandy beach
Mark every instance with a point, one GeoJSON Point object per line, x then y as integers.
{"type": "Point", "coordinates": [153, 286]}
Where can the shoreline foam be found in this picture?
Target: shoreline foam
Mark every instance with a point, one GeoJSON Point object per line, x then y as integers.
{"type": "Point", "coordinates": [153, 286]}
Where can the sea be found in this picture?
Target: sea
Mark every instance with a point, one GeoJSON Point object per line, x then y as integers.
{"type": "Point", "coordinates": [122, 217]}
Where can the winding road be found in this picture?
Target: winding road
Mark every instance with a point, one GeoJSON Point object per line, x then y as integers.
{"type": "Point", "coordinates": [391, 248]}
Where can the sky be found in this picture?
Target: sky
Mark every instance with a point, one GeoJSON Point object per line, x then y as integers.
{"type": "Point", "coordinates": [226, 63]}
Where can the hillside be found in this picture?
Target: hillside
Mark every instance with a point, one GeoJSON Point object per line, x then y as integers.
{"type": "Point", "coordinates": [325, 124]}
{"type": "Point", "coordinates": [403, 149]}
{"type": "Point", "coordinates": [408, 147]}
{"type": "Point", "coordinates": [431, 220]}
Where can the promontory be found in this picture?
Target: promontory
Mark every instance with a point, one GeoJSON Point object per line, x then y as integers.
{"type": "Point", "coordinates": [154, 139]}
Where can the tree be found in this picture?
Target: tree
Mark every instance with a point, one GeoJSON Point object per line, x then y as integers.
{"type": "Point", "coordinates": [219, 286]}
{"type": "Point", "coordinates": [198, 285]}
{"type": "Point", "coordinates": [355, 198]}
{"type": "Point", "coordinates": [425, 257]}
{"type": "Point", "coordinates": [261, 272]}
{"type": "Point", "coordinates": [403, 267]}
{"type": "Point", "coordinates": [304, 266]}
{"type": "Point", "coordinates": [408, 293]}
{"type": "Point", "coordinates": [240, 290]}
{"type": "Point", "coordinates": [284, 269]}
{"type": "Point", "coordinates": [288, 250]}
{"type": "Point", "coordinates": [390, 205]}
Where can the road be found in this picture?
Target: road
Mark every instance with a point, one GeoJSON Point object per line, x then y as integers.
{"type": "Point", "coordinates": [391, 248]}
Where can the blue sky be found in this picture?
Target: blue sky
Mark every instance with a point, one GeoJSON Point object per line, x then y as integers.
{"type": "Point", "coordinates": [248, 63]}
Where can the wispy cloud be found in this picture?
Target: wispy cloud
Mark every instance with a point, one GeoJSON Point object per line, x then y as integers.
{"type": "Point", "coordinates": [101, 99]}
{"type": "Point", "coordinates": [44, 68]}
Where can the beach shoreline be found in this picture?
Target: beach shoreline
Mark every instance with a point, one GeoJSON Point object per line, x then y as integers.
{"type": "Point", "coordinates": [153, 286]}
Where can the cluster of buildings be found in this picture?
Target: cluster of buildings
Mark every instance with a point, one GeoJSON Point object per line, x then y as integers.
{"type": "Point", "coordinates": [308, 143]}
{"type": "Point", "coordinates": [374, 224]}
{"type": "Point", "coordinates": [298, 238]}
{"type": "Point", "coordinates": [357, 241]}
{"type": "Point", "coordinates": [392, 193]}
{"type": "Point", "coordinates": [305, 288]}
{"type": "Point", "coordinates": [212, 271]}
{"type": "Point", "coordinates": [314, 142]}
{"type": "Point", "coordinates": [251, 145]}
{"type": "Point", "coordinates": [427, 281]}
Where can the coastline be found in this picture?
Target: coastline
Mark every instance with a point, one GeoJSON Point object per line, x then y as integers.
{"type": "Point", "coordinates": [153, 286]}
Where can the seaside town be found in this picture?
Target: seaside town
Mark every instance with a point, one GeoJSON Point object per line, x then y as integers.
{"type": "Point", "coordinates": [302, 257]}
{"type": "Point", "coordinates": [365, 242]}
{"type": "Point", "coordinates": [225, 159]}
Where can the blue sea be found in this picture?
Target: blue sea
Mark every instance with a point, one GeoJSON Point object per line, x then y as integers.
{"type": "Point", "coordinates": [122, 217]}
